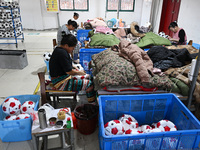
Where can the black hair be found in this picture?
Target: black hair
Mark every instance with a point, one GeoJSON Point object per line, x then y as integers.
{"type": "Point", "coordinates": [76, 14]}
{"type": "Point", "coordinates": [73, 23]}
{"type": "Point", "coordinates": [173, 25]}
{"type": "Point", "coordinates": [68, 39]}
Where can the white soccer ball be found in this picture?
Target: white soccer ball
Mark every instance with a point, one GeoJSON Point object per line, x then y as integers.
{"type": "Point", "coordinates": [166, 125]}
{"type": "Point", "coordinates": [156, 130]}
{"type": "Point", "coordinates": [22, 116]}
{"type": "Point", "coordinates": [129, 117]}
{"type": "Point", "coordinates": [114, 127]}
{"type": "Point", "coordinates": [27, 107]}
{"type": "Point", "coordinates": [79, 44]}
{"type": "Point", "coordinates": [80, 68]}
{"type": "Point", "coordinates": [11, 106]}
{"type": "Point", "coordinates": [133, 131]}
{"type": "Point", "coordinates": [146, 128]}
{"type": "Point", "coordinates": [10, 117]}
{"type": "Point", "coordinates": [153, 125]}
{"type": "Point", "coordinates": [47, 56]}
{"type": "Point", "coordinates": [129, 124]}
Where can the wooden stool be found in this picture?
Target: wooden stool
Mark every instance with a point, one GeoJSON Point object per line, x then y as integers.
{"type": "Point", "coordinates": [56, 94]}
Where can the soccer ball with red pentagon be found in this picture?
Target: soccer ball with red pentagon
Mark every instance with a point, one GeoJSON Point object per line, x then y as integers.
{"type": "Point", "coordinates": [114, 127]}
{"type": "Point", "coordinates": [27, 107]}
{"type": "Point", "coordinates": [11, 106]}
{"type": "Point", "coordinates": [22, 116]}
{"type": "Point", "coordinates": [166, 125]}
{"type": "Point", "coordinates": [10, 117]}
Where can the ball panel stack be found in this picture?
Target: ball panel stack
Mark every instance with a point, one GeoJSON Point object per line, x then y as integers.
{"type": "Point", "coordinates": [10, 24]}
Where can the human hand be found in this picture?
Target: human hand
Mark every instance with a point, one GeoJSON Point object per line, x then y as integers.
{"type": "Point", "coordinates": [82, 73]}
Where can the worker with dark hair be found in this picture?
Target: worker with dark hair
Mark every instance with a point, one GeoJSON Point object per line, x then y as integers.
{"type": "Point", "coordinates": [76, 16]}
{"type": "Point", "coordinates": [62, 70]}
{"type": "Point", "coordinates": [179, 36]}
{"type": "Point", "coordinates": [65, 29]}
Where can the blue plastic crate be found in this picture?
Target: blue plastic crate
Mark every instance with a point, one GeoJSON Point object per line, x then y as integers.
{"type": "Point", "coordinates": [86, 56]}
{"type": "Point", "coordinates": [197, 46]}
{"type": "Point", "coordinates": [148, 109]}
{"type": "Point", "coordinates": [82, 35]}
{"type": "Point", "coordinates": [17, 130]}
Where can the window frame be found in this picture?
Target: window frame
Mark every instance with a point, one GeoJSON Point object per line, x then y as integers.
{"type": "Point", "coordinates": [74, 7]}
{"type": "Point", "coordinates": [120, 7]}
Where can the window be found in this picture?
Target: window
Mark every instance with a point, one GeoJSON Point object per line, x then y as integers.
{"type": "Point", "coordinates": [125, 5]}
{"type": "Point", "coordinates": [81, 5]}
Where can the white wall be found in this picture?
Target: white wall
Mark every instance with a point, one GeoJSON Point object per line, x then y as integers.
{"type": "Point", "coordinates": [189, 16]}
{"type": "Point", "coordinates": [34, 15]}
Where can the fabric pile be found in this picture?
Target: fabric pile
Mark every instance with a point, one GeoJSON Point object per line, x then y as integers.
{"type": "Point", "coordinates": [110, 69]}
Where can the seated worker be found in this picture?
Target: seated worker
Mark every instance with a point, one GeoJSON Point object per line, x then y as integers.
{"type": "Point", "coordinates": [61, 70]}
{"type": "Point", "coordinates": [179, 36]}
{"type": "Point", "coordinates": [65, 29]}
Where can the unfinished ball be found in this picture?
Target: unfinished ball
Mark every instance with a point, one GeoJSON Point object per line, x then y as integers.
{"type": "Point", "coordinates": [114, 127]}
{"type": "Point", "coordinates": [11, 106]}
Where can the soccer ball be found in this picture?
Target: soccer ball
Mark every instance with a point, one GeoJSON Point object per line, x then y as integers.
{"type": "Point", "coordinates": [47, 56]}
{"type": "Point", "coordinates": [129, 124]}
{"type": "Point", "coordinates": [166, 125]}
{"type": "Point", "coordinates": [129, 117]}
{"type": "Point", "coordinates": [114, 127]}
{"type": "Point", "coordinates": [27, 107]}
{"type": "Point", "coordinates": [156, 130]}
{"type": "Point", "coordinates": [11, 106]}
{"type": "Point", "coordinates": [133, 131]}
{"type": "Point", "coordinates": [153, 125]}
{"type": "Point", "coordinates": [146, 128]}
{"type": "Point", "coordinates": [79, 44]}
{"type": "Point", "coordinates": [10, 117]}
{"type": "Point", "coordinates": [22, 116]}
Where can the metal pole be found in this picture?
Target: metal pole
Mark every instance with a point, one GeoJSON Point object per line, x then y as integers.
{"type": "Point", "coordinates": [118, 9]}
{"type": "Point", "coordinates": [58, 18]}
{"type": "Point", "coordinates": [194, 79]}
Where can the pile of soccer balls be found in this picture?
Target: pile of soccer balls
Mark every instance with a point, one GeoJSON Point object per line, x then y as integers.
{"type": "Point", "coordinates": [127, 124]}
{"type": "Point", "coordinates": [14, 110]}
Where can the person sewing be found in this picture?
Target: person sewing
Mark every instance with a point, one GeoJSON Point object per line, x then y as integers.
{"type": "Point", "coordinates": [62, 71]}
{"type": "Point", "coordinates": [179, 36]}
{"type": "Point", "coordinates": [66, 29]}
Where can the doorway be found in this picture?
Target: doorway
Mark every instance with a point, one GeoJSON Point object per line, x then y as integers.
{"type": "Point", "coordinates": [170, 11]}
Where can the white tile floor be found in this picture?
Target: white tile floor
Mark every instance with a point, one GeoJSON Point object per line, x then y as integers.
{"type": "Point", "coordinates": [20, 82]}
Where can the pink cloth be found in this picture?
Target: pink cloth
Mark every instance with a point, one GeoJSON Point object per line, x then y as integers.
{"type": "Point", "coordinates": [96, 22]}
{"type": "Point", "coordinates": [120, 33]}
{"type": "Point", "coordinates": [175, 35]}
{"type": "Point", "coordinates": [103, 29]}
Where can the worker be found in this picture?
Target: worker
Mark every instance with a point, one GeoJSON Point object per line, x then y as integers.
{"type": "Point", "coordinates": [75, 16]}
{"type": "Point", "coordinates": [62, 71]}
{"type": "Point", "coordinates": [65, 29]}
{"type": "Point", "coordinates": [179, 36]}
